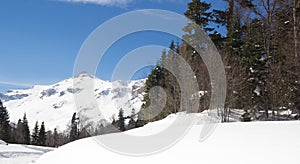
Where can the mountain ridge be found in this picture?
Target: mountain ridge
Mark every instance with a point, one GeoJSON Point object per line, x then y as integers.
{"type": "Point", "coordinates": [54, 104]}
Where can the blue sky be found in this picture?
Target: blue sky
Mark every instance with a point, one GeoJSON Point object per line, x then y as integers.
{"type": "Point", "coordinates": [40, 39]}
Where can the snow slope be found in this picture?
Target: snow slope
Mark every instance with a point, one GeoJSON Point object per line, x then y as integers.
{"type": "Point", "coordinates": [230, 143]}
{"type": "Point", "coordinates": [20, 154]}
{"type": "Point", "coordinates": [55, 105]}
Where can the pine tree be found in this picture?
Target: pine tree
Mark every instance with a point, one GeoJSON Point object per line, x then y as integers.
{"type": "Point", "coordinates": [74, 128]}
{"type": "Point", "coordinates": [255, 61]}
{"type": "Point", "coordinates": [55, 138]}
{"type": "Point", "coordinates": [121, 121]}
{"type": "Point", "coordinates": [295, 68]}
{"type": "Point", "coordinates": [35, 135]}
{"type": "Point", "coordinates": [198, 12]}
{"type": "Point", "coordinates": [170, 82]}
{"type": "Point", "coordinates": [4, 124]}
{"type": "Point", "coordinates": [49, 139]}
{"type": "Point", "coordinates": [283, 65]}
{"type": "Point", "coordinates": [153, 80]}
{"type": "Point", "coordinates": [201, 15]}
{"type": "Point", "coordinates": [26, 131]}
{"type": "Point", "coordinates": [42, 135]}
{"type": "Point", "coordinates": [259, 53]}
{"type": "Point", "coordinates": [19, 132]}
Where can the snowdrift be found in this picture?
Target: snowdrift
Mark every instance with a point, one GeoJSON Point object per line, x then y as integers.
{"type": "Point", "coordinates": [230, 143]}
{"type": "Point", "coordinates": [20, 154]}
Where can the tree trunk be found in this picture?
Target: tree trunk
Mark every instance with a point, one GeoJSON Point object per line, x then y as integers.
{"type": "Point", "coordinates": [295, 29]}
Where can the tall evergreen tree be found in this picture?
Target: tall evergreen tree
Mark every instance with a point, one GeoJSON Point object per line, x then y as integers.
{"type": "Point", "coordinates": [198, 11]}
{"type": "Point", "coordinates": [4, 123]}
{"type": "Point", "coordinates": [255, 60]}
{"type": "Point", "coordinates": [259, 53]}
{"type": "Point", "coordinates": [121, 121]}
{"type": "Point", "coordinates": [55, 138]}
{"type": "Point", "coordinates": [49, 139]}
{"type": "Point", "coordinates": [42, 135]}
{"type": "Point", "coordinates": [201, 14]}
{"type": "Point", "coordinates": [156, 78]}
{"type": "Point", "coordinates": [35, 135]}
{"type": "Point", "coordinates": [19, 132]}
{"type": "Point", "coordinates": [26, 131]}
{"type": "Point", "coordinates": [283, 65]}
{"type": "Point", "coordinates": [74, 128]}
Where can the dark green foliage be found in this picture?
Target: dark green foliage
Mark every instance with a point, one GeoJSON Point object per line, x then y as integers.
{"type": "Point", "coordinates": [261, 69]}
{"type": "Point", "coordinates": [218, 40]}
{"type": "Point", "coordinates": [198, 12]}
{"type": "Point", "coordinates": [259, 52]}
{"type": "Point", "coordinates": [26, 131]}
{"type": "Point", "coordinates": [161, 77]}
{"type": "Point", "coordinates": [121, 120]}
{"type": "Point", "coordinates": [254, 58]}
{"type": "Point", "coordinates": [74, 128]}
{"type": "Point", "coordinates": [19, 132]}
{"type": "Point", "coordinates": [55, 138]}
{"type": "Point", "coordinates": [35, 135]}
{"type": "Point", "coordinates": [4, 124]}
{"type": "Point", "coordinates": [42, 135]}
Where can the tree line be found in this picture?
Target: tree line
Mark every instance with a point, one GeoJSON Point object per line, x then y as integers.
{"type": "Point", "coordinates": [259, 51]}
{"type": "Point", "coordinates": [20, 132]}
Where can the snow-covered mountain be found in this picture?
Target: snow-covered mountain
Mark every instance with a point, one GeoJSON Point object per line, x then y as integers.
{"type": "Point", "coordinates": [55, 104]}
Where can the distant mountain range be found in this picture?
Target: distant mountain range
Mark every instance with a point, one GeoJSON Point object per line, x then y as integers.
{"type": "Point", "coordinates": [55, 104]}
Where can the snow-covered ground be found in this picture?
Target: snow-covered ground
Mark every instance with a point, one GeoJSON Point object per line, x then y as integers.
{"type": "Point", "coordinates": [54, 104]}
{"type": "Point", "coordinates": [20, 154]}
{"type": "Point", "coordinates": [230, 143]}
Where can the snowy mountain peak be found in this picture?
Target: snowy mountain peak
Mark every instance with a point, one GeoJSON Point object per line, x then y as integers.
{"type": "Point", "coordinates": [55, 104]}
{"type": "Point", "coordinates": [84, 74]}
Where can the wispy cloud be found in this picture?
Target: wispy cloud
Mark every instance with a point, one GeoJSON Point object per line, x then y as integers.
{"type": "Point", "coordinates": [118, 3]}
{"type": "Point", "coordinates": [161, 14]}
{"type": "Point", "coordinates": [15, 84]}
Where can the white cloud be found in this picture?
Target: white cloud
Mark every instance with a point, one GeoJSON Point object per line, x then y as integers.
{"type": "Point", "coordinates": [15, 84]}
{"type": "Point", "coordinates": [161, 14]}
{"type": "Point", "coordinates": [119, 3]}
